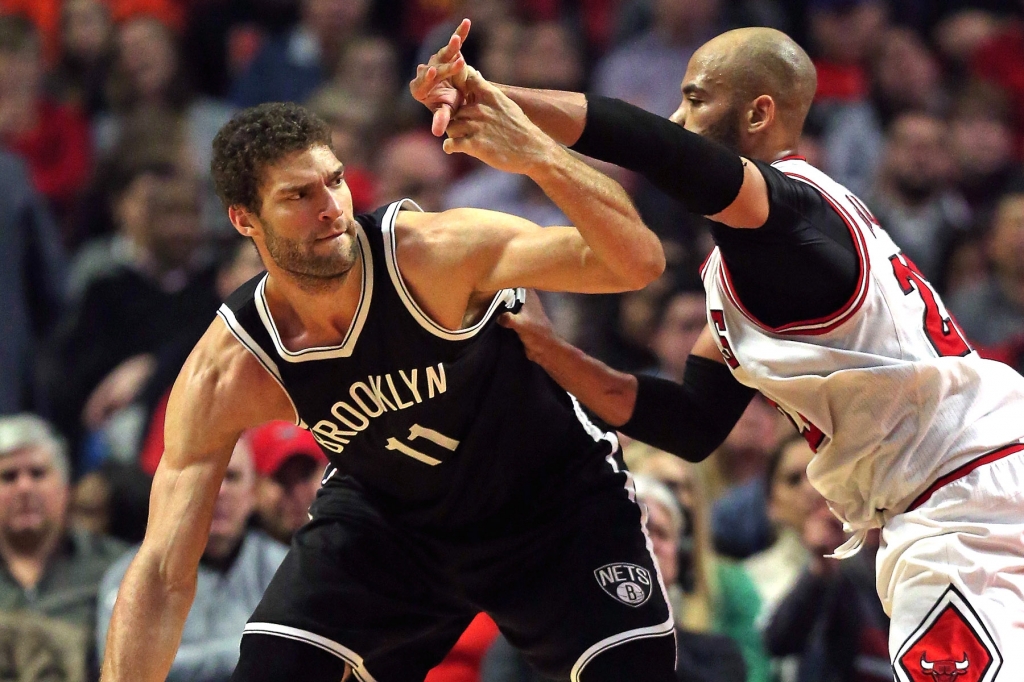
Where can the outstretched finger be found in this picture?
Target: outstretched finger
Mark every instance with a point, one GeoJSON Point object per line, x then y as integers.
{"type": "Point", "coordinates": [456, 145]}
{"type": "Point", "coordinates": [449, 51]}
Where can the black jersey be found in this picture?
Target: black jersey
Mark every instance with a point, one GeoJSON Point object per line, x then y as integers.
{"type": "Point", "coordinates": [441, 428]}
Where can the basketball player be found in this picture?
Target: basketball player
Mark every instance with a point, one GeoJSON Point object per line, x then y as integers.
{"type": "Point", "coordinates": [462, 479]}
{"type": "Point", "coordinates": [811, 303]}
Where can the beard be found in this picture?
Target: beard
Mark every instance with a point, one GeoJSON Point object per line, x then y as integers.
{"type": "Point", "coordinates": [726, 130]}
{"type": "Point", "coordinates": [27, 540]}
{"type": "Point", "coordinates": [314, 272]}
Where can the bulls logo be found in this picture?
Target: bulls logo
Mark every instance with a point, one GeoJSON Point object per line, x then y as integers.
{"type": "Point", "coordinates": [945, 671]}
{"type": "Point", "coordinates": [950, 645]}
{"type": "Point", "coordinates": [626, 583]}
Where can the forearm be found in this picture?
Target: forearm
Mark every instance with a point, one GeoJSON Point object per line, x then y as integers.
{"type": "Point", "coordinates": [702, 174]}
{"type": "Point", "coordinates": [608, 393]}
{"type": "Point", "coordinates": [562, 115]}
{"type": "Point", "coordinates": [691, 419]}
{"type": "Point", "coordinates": [146, 625]}
{"type": "Point", "coordinates": [206, 661]}
{"type": "Point", "coordinates": [604, 215]}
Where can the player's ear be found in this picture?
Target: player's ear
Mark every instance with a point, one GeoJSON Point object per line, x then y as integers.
{"type": "Point", "coordinates": [242, 220]}
{"type": "Point", "coordinates": [760, 113]}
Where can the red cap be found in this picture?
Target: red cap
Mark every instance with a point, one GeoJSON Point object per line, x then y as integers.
{"type": "Point", "coordinates": [276, 442]}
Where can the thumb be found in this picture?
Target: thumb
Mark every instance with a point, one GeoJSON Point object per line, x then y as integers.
{"type": "Point", "coordinates": [456, 145]}
{"type": "Point", "coordinates": [508, 320]}
{"type": "Point", "coordinates": [442, 115]}
{"type": "Point", "coordinates": [475, 81]}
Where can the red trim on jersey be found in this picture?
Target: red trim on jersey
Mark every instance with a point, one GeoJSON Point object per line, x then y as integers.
{"type": "Point", "coordinates": [704, 265]}
{"type": "Point", "coordinates": [962, 471]}
{"type": "Point", "coordinates": [827, 323]}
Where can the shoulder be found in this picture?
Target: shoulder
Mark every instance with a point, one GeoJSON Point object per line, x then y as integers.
{"type": "Point", "coordinates": [224, 389]}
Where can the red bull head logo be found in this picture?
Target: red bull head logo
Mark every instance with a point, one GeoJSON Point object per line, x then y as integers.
{"type": "Point", "coordinates": [944, 671]}
{"type": "Point", "coordinates": [951, 644]}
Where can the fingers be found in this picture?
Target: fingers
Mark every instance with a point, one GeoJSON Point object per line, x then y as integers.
{"type": "Point", "coordinates": [457, 145]}
{"type": "Point", "coordinates": [442, 115]}
{"type": "Point", "coordinates": [449, 51]}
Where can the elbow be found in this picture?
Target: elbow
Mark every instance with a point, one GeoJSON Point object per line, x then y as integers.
{"type": "Point", "coordinates": [646, 269]}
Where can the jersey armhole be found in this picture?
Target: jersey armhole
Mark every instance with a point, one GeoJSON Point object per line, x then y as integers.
{"type": "Point", "coordinates": [505, 297]}
{"type": "Point", "coordinates": [827, 323]}
{"type": "Point", "coordinates": [238, 331]}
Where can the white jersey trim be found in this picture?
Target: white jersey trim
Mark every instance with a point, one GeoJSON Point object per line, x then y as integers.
{"type": "Point", "coordinates": [354, 660]}
{"type": "Point", "coordinates": [345, 348]}
{"type": "Point", "coordinates": [505, 296]}
{"type": "Point", "coordinates": [668, 627]}
{"type": "Point", "coordinates": [640, 633]}
{"type": "Point", "coordinates": [238, 331]}
{"type": "Point", "coordinates": [821, 325]}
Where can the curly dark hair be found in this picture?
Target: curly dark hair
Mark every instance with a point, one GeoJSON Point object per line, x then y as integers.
{"type": "Point", "coordinates": [258, 137]}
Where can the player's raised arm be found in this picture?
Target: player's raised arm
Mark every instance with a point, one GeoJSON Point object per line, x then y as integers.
{"type": "Point", "coordinates": [609, 249]}
{"type": "Point", "coordinates": [210, 405]}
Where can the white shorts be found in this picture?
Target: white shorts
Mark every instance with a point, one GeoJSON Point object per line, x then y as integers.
{"type": "Point", "coordinates": [951, 577]}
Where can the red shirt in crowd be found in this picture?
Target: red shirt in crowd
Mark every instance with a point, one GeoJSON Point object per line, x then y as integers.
{"type": "Point", "coordinates": [58, 151]}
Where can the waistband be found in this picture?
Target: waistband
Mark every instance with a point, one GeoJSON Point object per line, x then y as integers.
{"type": "Point", "coordinates": [963, 470]}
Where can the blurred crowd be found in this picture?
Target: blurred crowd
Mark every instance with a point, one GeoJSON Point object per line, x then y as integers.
{"type": "Point", "coordinates": [115, 254]}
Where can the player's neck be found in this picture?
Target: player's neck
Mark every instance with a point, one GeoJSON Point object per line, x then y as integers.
{"type": "Point", "coordinates": [308, 316]}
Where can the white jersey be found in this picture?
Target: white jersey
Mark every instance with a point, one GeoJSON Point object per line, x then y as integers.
{"type": "Point", "coordinates": [886, 390]}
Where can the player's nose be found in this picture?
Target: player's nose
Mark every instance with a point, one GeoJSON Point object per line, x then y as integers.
{"type": "Point", "coordinates": [331, 209]}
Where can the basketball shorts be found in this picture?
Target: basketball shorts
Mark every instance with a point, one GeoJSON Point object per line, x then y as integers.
{"type": "Point", "coordinates": [571, 592]}
{"type": "Point", "coordinates": [951, 576]}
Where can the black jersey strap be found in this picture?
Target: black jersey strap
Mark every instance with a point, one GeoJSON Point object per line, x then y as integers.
{"type": "Point", "coordinates": [689, 420]}
{"type": "Point", "coordinates": [701, 173]}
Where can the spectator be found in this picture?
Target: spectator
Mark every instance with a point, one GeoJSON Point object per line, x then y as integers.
{"type": "Point", "coordinates": [992, 312]}
{"type": "Point", "coordinates": [681, 321]}
{"type": "Point", "coordinates": [31, 286]}
{"type": "Point", "coordinates": [289, 464]}
{"type": "Point", "coordinates": [832, 617]}
{"type": "Point", "coordinates": [48, 569]}
{"type": "Point", "coordinates": [52, 138]}
{"type": "Point", "coordinates": [981, 142]}
{"type": "Point", "coordinates": [790, 500]}
{"type": "Point", "coordinates": [999, 59]}
{"type": "Point", "coordinates": [368, 70]}
{"type": "Point", "coordinates": [646, 71]}
{"type": "Point", "coordinates": [717, 595]}
{"type": "Point", "coordinates": [913, 199]}
{"type": "Point", "coordinates": [843, 34]}
{"type": "Point", "coordinates": [86, 55]}
{"type": "Point", "coordinates": [905, 77]}
{"type": "Point", "coordinates": [413, 165]}
{"type": "Point", "coordinates": [353, 134]}
{"type": "Point", "coordinates": [148, 79]}
{"type": "Point", "coordinates": [235, 570]}
{"type": "Point", "coordinates": [291, 66]}
{"type": "Point", "coordinates": [165, 288]}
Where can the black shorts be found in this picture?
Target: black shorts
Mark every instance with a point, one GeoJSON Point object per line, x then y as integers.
{"type": "Point", "coordinates": [390, 602]}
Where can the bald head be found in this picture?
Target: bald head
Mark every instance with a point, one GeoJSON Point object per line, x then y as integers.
{"type": "Point", "coordinates": [739, 67]}
{"type": "Point", "coordinates": [763, 61]}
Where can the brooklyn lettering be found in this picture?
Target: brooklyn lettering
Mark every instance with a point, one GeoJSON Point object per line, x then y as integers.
{"type": "Point", "coordinates": [369, 399]}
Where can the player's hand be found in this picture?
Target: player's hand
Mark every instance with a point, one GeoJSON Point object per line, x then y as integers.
{"type": "Point", "coordinates": [439, 83]}
{"type": "Point", "coordinates": [491, 127]}
{"type": "Point", "coordinates": [532, 325]}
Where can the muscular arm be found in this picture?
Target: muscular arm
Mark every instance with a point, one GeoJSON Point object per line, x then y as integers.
{"type": "Point", "coordinates": [689, 420]}
{"type": "Point", "coordinates": [705, 176]}
{"type": "Point", "coordinates": [210, 405]}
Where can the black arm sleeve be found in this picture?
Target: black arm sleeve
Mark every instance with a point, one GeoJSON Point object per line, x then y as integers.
{"type": "Point", "coordinates": [704, 175]}
{"type": "Point", "coordinates": [689, 420]}
{"type": "Point", "coordinates": [801, 264]}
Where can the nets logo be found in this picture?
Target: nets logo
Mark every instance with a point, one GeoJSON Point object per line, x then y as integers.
{"type": "Point", "coordinates": [950, 645]}
{"type": "Point", "coordinates": [626, 583]}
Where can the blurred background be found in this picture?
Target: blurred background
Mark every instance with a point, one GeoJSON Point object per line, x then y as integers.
{"type": "Point", "coordinates": [115, 254]}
